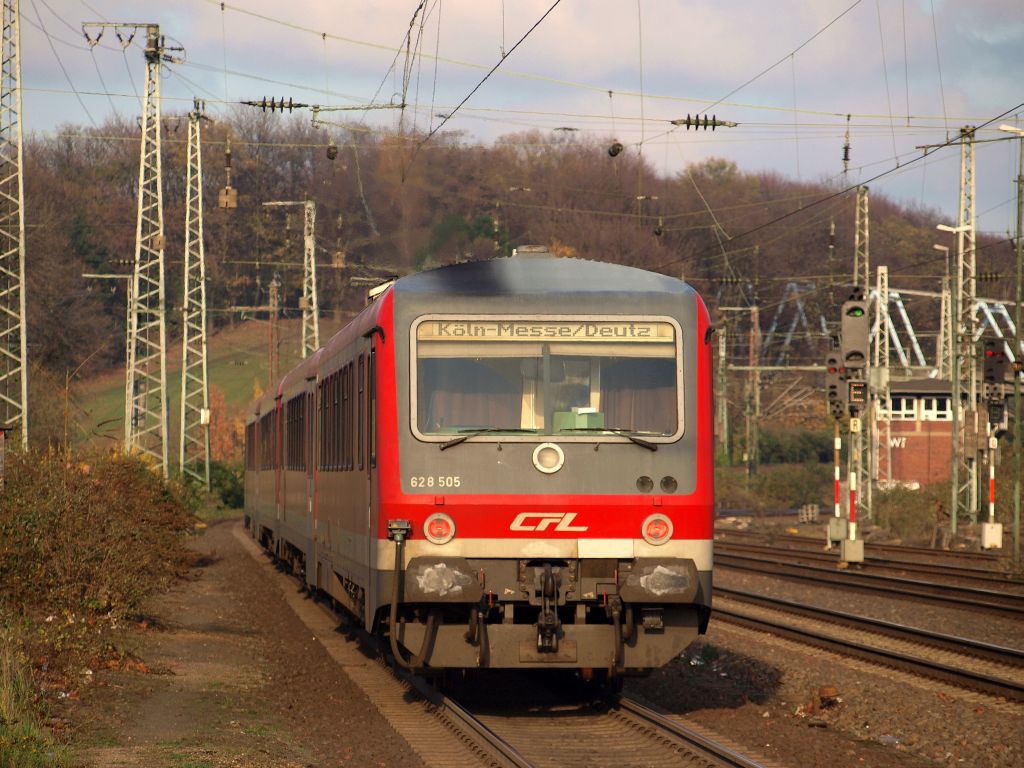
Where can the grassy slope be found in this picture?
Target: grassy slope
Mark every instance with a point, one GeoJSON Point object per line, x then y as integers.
{"type": "Point", "coordinates": [237, 365]}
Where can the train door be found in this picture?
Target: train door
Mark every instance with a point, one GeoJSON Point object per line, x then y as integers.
{"type": "Point", "coordinates": [366, 455]}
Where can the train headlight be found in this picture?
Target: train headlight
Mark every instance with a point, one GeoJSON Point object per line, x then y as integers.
{"type": "Point", "coordinates": [439, 528]}
{"type": "Point", "coordinates": [669, 484]}
{"type": "Point", "coordinates": [548, 458]}
{"type": "Point", "coordinates": [656, 529]}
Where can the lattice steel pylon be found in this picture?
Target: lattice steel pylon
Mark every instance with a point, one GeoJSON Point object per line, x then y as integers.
{"type": "Point", "coordinates": [309, 303]}
{"type": "Point", "coordinates": [861, 242]}
{"type": "Point", "coordinates": [146, 382]}
{"type": "Point", "coordinates": [13, 337]}
{"type": "Point", "coordinates": [880, 407]}
{"type": "Point", "coordinates": [194, 448]}
{"type": "Point", "coordinates": [966, 326]}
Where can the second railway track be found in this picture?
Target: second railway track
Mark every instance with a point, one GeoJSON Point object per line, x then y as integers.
{"type": "Point", "coordinates": [968, 664]}
{"type": "Point", "coordinates": [947, 595]}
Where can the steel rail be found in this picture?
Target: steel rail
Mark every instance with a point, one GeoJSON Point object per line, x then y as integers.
{"type": "Point", "coordinates": [976, 648]}
{"type": "Point", "coordinates": [895, 549]}
{"type": "Point", "coordinates": [984, 575]}
{"type": "Point", "coordinates": [708, 748]}
{"type": "Point", "coordinates": [960, 677]}
{"type": "Point", "coordinates": [507, 754]}
{"type": "Point", "coordinates": [905, 589]}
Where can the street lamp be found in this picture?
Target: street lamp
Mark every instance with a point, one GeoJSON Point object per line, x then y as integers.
{"type": "Point", "coordinates": [1018, 448]}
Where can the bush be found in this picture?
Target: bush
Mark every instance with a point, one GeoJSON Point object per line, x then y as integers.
{"type": "Point", "coordinates": [777, 486]}
{"type": "Point", "coordinates": [794, 447]}
{"type": "Point", "coordinates": [228, 483]}
{"type": "Point", "coordinates": [82, 543]}
{"type": "Point", "coordinates": [913, 516]}
{"type": "Point", "coordinates": [91, 537]}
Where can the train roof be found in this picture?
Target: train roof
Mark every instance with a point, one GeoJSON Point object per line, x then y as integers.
{"type": "Point", "coordinates": [540, 273]}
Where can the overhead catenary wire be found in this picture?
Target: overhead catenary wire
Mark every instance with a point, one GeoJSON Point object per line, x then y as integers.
{"type": "Point", "coordinates": [850, 189]}
{"type": "Point", "coordinates": [433, 131]}
{"type": "Point", "coordinates": [60, 63]}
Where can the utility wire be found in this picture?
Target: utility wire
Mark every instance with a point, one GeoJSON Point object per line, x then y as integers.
{"type": "Point", "coordinates": [477, 87]}
{"type": "Point", "coordinates": [62, 67]}
{"type": "Point", "coordinates": [769, 68]}
{"type": "Point", "coordinates": [847, 190]}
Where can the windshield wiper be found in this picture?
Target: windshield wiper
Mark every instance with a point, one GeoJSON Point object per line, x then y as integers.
{"type": "Point", "coordinates": [483, 431]}
{"type": "Point", "coordinates": [627, 433]}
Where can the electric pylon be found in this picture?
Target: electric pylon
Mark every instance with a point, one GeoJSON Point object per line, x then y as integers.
{"type": "Point", "coordinates": [194, 454]}
{"type": "Point", "coordinates": [309, 302]}
{"type": "Point", "coordinates": [13, 340]}
{"type": "Point", "coordinates": [145, 415]}
{"type": "Point", "coordinates": [881, 389]}
{"type": "Point", "coordinates": [966, 329]}
{"type": "Point", "coordinates": [861, 251]}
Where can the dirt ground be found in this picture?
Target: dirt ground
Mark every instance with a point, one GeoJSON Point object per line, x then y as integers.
{"type": "Point", "coordinates": [229, 677]}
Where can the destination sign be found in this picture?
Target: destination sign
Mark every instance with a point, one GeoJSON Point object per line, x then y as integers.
{"type": "Point", "coordinates": [563, 330]}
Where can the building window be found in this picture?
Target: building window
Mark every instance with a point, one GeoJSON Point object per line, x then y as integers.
{"type": "Point", "coordinates": [904, 408]}
{"type": "Point", "coordinates": [936, 409]}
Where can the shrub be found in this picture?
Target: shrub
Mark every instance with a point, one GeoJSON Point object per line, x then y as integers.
{"type": "Point", "coordinates": [914, 516]}
{"type": "Point", "coordinates": [92, 536]}
{"type": "Point", "coordinates": [776, 486]}
{"type": "Point", "coordinates": [228, 483]}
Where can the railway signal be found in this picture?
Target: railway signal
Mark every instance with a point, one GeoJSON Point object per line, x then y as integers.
{"type": "Point", "coordinates": [996, 412]}
{"type": "Point", "coordinates": [858, 394]}
{"type": "Point", "coordinates": [855, 331]}
{"type": "Point", "coordinates": [994, 366]}
{"type": "Point", "coordinates": [835, 393]}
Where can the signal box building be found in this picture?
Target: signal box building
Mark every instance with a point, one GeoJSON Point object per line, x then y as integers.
{"type": "Point", "coordinates": [920, 438]}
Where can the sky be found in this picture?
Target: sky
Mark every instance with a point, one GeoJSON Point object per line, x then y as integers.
{"type": "Point", "coordinates": [907, 73]}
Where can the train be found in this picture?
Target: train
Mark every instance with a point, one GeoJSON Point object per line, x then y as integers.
{"type": "Point", "coordinates": [502, 464]}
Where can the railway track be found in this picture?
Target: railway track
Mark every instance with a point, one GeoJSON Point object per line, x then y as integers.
{"type": "Point", "coordinates": [447, 732]}
{"type": "Point", "coordinates": [977, 666]}
{"type": "Point", "coordinates": [623, 732]}
{"type": "Point", "coordinates": [947, 595]}
{"type": "Point", "coordinates": [984, 576]}
{"type": "Point", "coordinates": [899, 552]}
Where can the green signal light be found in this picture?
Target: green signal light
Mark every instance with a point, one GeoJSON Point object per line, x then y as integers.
{"type": "Point", "coordinates": [855, 312]}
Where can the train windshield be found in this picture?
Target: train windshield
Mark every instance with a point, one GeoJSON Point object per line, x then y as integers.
{"type": "Point", "coordinates": [567, 377]}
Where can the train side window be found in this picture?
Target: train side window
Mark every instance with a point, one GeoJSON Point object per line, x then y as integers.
{"type": "Point", "coordinates": [350, 412]}
{"type": "Point", "coordinates": [337, 419]}
{"type": "Point", "coordinates": [343, 433]}
{"type": "Point", "coordinates": [373, 409]}
{"type": "Point", "coordinates": [320, 425]}
{"type": "Point", "coordinates": [361, 379]}
{"type": "Point", "coordinates": [308, 437]}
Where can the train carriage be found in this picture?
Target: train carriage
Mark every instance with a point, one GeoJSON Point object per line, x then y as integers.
{"type": "Point", "coordinates": [502, 464]}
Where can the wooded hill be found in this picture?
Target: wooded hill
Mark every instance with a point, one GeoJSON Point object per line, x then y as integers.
{"type": "Point", "coordinates": [386, 206]}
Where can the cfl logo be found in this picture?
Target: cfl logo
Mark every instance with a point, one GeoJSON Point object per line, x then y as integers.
{"type": "Point", "coordinates": [543, 521]}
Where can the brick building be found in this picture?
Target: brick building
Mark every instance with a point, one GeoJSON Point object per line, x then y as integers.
{"type": "Point", "coordinates": [920, 435]}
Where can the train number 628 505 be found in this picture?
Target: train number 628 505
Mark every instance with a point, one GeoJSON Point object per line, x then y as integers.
{"type": "Point", "coordinates": [441, 481]}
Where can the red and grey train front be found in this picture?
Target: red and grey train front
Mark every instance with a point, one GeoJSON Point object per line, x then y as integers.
{"type": "Point", "coordinates": [549, 501]}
